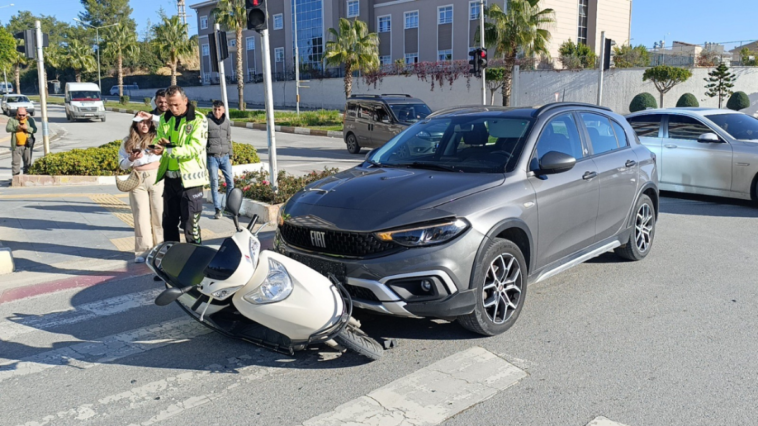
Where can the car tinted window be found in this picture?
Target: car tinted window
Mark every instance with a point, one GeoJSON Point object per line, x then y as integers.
{"type": "Point", "coordinates": [602, 136]}
{"type": "Point", "coordinates": [739, 126]}
{"type": "Point", "coordinates": [365, 111]}
{"type": "Point", "coordinates": [352, 110]}
{"type": "Point", "coordinates": [620, 134]}
{"type": "Point", "coordinates": [560, 135]}
{"type": "Point", "coordinates": [683, 127]}
{"type": "Point", "coordinates": [646, 125]}
{"type": "Point", "coordinates": [85, 96]}
{"type": "Point", "coordinates": [381, 114]}
{"type": "Point", "coordinates": [410, 113]}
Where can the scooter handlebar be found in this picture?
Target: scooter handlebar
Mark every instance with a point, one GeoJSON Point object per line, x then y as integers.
{"type": "Point", "coordinates": [252, 223]}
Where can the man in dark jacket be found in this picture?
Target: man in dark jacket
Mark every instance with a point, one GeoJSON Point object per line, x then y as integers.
{"type": "Point", "coordinates": [22, 129]}
{"type": "Point", "coordinates": [161, 105]}
{"type": "Point", "coordinates": [219, 152]}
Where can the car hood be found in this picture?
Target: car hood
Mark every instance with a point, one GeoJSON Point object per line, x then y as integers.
{"type": "Point", "coordinates": [370, 199]}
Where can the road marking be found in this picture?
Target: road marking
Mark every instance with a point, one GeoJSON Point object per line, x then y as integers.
{"type": "Point", "coordinates": [119, 208]}
{"type": "Point", "coordinates": [27, 324]}
{"type": "Point", "coordinates": [126, 244]}
{"type": "Point", "coordinates": [155, 393]}
{"type": "Point", "coordinates": [602, 421]}
{"type": "Point", "coordinates": [90, 354]}
{"type": "Point", "coordinates": [67, 195]}
{"type": "Point", "coordinates": [430, 395]}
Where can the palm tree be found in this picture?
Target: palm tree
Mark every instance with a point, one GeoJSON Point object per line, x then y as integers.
{"type": "Point", "coordinates": [519, 29]}
{"type": "Point", "coordinates": [80, 58]}
{"type": "Point", "coordinates": [121, 42]}
{"type": "Point", "coordinates": [19, 59]}
{"type": "Point", "coordinates": [354, 47]}
{"type": "Point", "coordinates": [172, 43]}
{"type": "Point", "coordinates": [231, 14]}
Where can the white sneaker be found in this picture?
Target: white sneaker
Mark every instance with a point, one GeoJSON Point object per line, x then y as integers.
{"type": "Point", "coordinates": [139, 259]}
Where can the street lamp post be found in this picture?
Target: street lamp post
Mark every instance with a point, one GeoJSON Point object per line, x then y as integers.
{"type": "Point", "coordinates": [97, 41]}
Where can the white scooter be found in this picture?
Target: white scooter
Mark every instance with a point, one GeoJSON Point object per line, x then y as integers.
{"type": "Point", "coordinates": [261, 297]}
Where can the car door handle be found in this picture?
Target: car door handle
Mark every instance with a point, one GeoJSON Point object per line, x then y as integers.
{"type": "Point", "coordinates": [589, 175]}
{"type": "Point", "coordinates": [630, 163]}
{"type": "Point", "coordinates": [670, 145]}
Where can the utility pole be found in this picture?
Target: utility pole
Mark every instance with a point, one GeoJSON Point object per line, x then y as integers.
{"type": "Point", "coordinates": [481, 44]}
{"type": "Point", "coordinates": [5, 82]}
{"type": "Point", "coordinates": [297, 58]}
{"type": "Point", "coordinates": [42, 84]}
{"type": "Point", "coordinates": [272, 169]}
{"type": "Point", "coordinates": [221, 75]}
{"type": "Point", "coordinates": [600, 69]}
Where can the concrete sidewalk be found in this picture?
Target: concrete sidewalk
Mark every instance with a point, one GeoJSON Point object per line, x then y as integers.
{"type": "Point", "coordinates": [64, 237]}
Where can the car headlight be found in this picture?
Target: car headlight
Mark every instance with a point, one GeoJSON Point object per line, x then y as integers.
{"type": "Point", "coordinates": [276, 287]}
{"type": "Point", "coordinates": [426, 235]}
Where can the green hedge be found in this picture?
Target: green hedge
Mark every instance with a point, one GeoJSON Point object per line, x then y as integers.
{"type": "Point", "coordinates": [687, 100]}
{"type": "Point", "coordinates": [123, 100]}
{"type": "Point", "coordinates": [642, 102]}
{"type": "Point", "coordinates": [738, 101]}
{"type": "Point", "coordinates": [103, 160]}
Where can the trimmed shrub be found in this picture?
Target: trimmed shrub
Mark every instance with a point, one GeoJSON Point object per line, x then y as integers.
{"type": "Point", "coordinates": [256, 185]}
{"type": "Point", "coordinates": [642, 102]}
{"type": "Point", "coordinates": [146, 101]}
{"type": "Point", "coordinates": [738, 101]}
{"type": "Point", "coordinates": [103, 160]}
{"type": "Point", "coordinates": [687, 100]}
{"type": "Point", "coordinates": [123, 100]}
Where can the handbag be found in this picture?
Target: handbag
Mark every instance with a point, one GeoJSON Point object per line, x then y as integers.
{"type": "Point", "coordinates": [130, 183]}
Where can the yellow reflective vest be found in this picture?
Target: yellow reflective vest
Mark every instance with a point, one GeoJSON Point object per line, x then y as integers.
{"type": "Point", "coordinates": [188, 155]}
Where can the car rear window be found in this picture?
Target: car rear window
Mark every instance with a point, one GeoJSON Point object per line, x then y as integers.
{"type": "Point", "coordinates": [646, 125]}
{"type": "Point", "coordinates": [683, 127]}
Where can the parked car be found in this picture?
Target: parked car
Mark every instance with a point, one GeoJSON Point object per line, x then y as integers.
{"type": "Point", "coordinates": [454, 216]}
{"type": "Point", "coordinates": [83, 102]}
{"type": "Point", "coordinates": [6, 87]}
{"type": "Point", "coordinates": [127, 88]}
{"type": "Point", "coordinates": [702, 150]}
{"type": "Point", "coordinates": [371, 120]}
{"type": "Point", "coordinates": [11, 103]}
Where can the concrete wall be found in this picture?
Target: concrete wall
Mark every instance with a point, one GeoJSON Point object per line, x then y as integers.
{"type": "Point", "coordinates": [534, 88]}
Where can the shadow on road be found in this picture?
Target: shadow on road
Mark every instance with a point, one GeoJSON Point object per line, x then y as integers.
{"type": "Point", "coordinates": [702, 205]}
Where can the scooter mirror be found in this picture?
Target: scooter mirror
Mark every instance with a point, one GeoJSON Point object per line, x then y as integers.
{"type": "Point", "coordinates": [234, 201]}
{"type": "Point", "coordinates": [168, 296]}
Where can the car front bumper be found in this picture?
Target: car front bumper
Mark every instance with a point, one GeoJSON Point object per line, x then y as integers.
{"type": "Point", "coordinates": [87, 114]}
{"type": "Point", "coordinates": [377, 284]}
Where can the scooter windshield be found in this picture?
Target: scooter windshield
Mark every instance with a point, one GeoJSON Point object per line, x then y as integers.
{"type": "Point", "coordinates": [225, 262]}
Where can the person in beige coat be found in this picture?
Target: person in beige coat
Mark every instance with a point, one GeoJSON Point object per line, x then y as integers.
{"type": "Point", "coordinates": [147, 199]}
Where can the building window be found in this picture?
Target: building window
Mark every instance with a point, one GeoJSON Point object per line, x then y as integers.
{"type": "Point", "coordinates": [385, 60]}
{"type": "Point", "coordinates": [445, 14]}
{"type": "Point", "coordinates": [411, 19]}
{"type": "Point", "coordinates": [445, 55]}
{"type": "Point", "coordinates": [250, 43]}
{"type": "Point", "coordinates": [203, 22]}
{"type": "Point", "coordinates": [582, 33]}
{"type": "Point", "coordinates": [474, 8]}
{"type": "Point", "coordinates": [411, 58]}
{"type": "Point", "coordinates": [278, 21]}
{"type": "Point", "coordinates": [279, 54]}
{"type": "Point", "coordinates": [310, 32]}
{"type": "Point", "coordinates": [206, 50]}
{"type": "Point", "coordinates": [232, 42]}
{"type": "Point", "coordinates": [353, 8]}
{"type": "Point", "coordinates": [385, 24]}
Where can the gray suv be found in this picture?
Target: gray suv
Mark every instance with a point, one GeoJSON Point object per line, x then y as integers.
{"type": "Point", "coordinates": [455, 215]}
{"type": "Point", "coordinates": [372, 120]}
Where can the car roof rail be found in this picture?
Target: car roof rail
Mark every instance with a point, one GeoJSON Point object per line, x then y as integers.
{"type": "Point", "coordinates": [365, 96]}
{"type": "Point", "coordinates": [402, 95]}
{"type": "Point", "coordinates": [553, 105]}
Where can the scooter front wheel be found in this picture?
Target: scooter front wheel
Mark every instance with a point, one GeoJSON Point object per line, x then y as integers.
{"type": "Point", "coordinates": [356, 340]}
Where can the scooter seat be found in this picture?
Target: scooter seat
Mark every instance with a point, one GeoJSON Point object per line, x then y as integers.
{"type": "Point", "coordinates": [184, 263]}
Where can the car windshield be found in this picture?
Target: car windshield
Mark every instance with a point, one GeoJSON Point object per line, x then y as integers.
{"type": "Point", "coordinates": [739, 126]}
{"type": "Point", "coordinates": [461, 144]}
{"type": "Point", "coordinates": [85, 96]}
{"type": "Point", "coordinates": [18, 99]}
{"type": "Point", "coordinates": [410, 113]}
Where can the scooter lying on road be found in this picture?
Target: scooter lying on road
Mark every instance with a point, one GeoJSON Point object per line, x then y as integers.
{"type": "Point", "coordinates": [258, 296]}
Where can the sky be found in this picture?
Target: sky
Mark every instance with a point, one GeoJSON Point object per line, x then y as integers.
{"type": "Point", "coordinates": [691, 21]}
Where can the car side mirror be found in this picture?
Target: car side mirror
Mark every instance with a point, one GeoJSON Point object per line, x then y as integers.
{"type": "Point", "coordinates": [555, 162]}
{"type": "Point", "coordinates": [708, 138]}
{"type": "Point", "coordinates": [386, 120]}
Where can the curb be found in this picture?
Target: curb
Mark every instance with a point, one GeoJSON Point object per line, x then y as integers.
{"type": "Point", "coordinates": [261, 126]}
{"type": "Point", "coordinates": [7, 265]}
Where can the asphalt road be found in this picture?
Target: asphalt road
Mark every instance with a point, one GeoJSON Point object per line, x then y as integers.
{"type": "Point", "coordinates": [670, 340]}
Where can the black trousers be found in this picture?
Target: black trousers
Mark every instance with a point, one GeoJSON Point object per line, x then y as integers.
{"type": "Point", "coordinates": [182, 205]}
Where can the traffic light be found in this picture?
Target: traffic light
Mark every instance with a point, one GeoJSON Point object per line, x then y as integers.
{"type": "Point", "coordinates": [474, 61]}
{"type": "Point", "coordinates": [607, 53]}
{"type": "Point", "coordinates": [217, 55]}
{"type": "Point", "coordinates": [257, 18]}
{"type": "Point", "coordinates": [482, 59]}
{"type": "Point", "coordinates": [30, 43]}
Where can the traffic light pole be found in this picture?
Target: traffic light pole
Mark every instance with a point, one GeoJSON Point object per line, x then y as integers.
{"type": "Point", "coordinates": [601, 69]}
{"type": "Point", "coordinates": [222, 76]}
{"type": "Point", "coordinates": [481, 44]}
{"type": "Point", "coordinates": [271, 133]}
{"type": "Point", "coordinates": [42, 84]}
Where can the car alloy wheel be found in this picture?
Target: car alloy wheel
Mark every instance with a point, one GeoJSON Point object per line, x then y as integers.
{"type": "Point", "coordinates": [352, 144]}
{"type": "Point", "coordinates": [501, 293]}
{"type": "Point", "coordinates": [643, 228]}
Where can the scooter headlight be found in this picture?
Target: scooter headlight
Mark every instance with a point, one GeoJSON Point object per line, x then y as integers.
{"type": "Point", "coordinates": [276, 287]}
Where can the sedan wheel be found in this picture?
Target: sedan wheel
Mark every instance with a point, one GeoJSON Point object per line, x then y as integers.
{"type": "Point", "coordinates": [642, 235]}
{"type": "Point", "coordinates": [501, 289]}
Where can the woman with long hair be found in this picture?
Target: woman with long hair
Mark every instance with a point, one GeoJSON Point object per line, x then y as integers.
{"type": "Point", "coordinates": [147, 198]}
